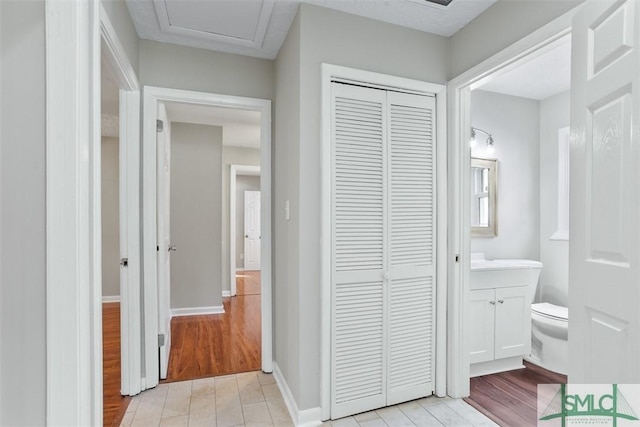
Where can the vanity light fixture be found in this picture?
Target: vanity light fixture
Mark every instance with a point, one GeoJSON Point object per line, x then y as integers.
{"type": "Point", "coordinates": [489, 141]}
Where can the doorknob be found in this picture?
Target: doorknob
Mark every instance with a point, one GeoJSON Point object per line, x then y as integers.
{"type": "Point", "coordinates": [246, 235]}
{"type": "Point", "coordinates": [172, 248]}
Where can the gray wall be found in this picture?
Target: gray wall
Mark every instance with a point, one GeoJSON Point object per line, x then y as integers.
{"type": "Point", "coordinates": [110, 217]}
{"type": "Point", "coordinates": [287, 150]}
{"type": "Point", "coordinates": [22, 213]}
{"type": "Point", "coordinates": [515, 125]}
{"type": "Point", "coordinates": [243, 183]}
{"type": "Point", "coordinates": [232, 156]}
{"type": "Point", "coordinates": [181, 67]}
{"type": "Point", "coordinates": [118, 13]}
{"type": "Point", "coordinates": [554, 254]}
{"type": "Point", "coordinates": [498, 27]}
{"type": "Point", "coordinates": [340, 39]}
{"type": "Point", "coordinates": [196, 221]}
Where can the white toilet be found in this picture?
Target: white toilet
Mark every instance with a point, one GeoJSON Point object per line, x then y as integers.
{"type": "Point", "coordinates": [549, 331]}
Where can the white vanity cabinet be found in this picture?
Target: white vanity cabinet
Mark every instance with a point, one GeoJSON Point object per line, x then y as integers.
{"type": "Point", "coordinates": [499, 329]}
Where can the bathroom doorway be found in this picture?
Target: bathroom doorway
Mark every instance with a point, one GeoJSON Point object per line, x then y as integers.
{"type": "Point", "coordinates": [485, 106]}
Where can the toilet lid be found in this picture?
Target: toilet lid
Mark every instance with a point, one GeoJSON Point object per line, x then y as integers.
{"type": "Point", "coordinates": [551, 310]}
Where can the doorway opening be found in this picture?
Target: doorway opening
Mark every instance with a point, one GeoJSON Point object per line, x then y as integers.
{"type": "Point", "coordinates": [203, 336]}
{"type": "Point", "coordinates": [470, 95]}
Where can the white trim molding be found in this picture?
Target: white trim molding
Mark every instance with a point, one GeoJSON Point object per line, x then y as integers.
{"type": "Point", "coordinates": [197, 311]}
{"type": "Point", "coordinates": [459, 233]}
{"type": "Point", "coordinates": [564, 155]}
{"type": "Point", "coordinates": [234, 171]}
{"type": "Point", "coordinates": [305, 418]}
{"type": "Point", "coordinates": [151, 96]}
{"type": "Point", "coordinates": [226, 294]}
{"type": "Point", "coordinates": [108, 299]}
{"type": "Point", "coordinates": [350, 75]}
{"type": "Point", "coordinates": [73, 214]}
{"type": "Point", "coordinates": [129, 134]}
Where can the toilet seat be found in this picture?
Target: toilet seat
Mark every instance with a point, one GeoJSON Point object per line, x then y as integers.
{"type": "Point", "coordinates": [551, 311]}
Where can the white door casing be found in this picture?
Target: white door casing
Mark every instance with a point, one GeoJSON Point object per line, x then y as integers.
{"type": "Point", "coordinates": [164, 238]}
{"type": "Point", "coordinates": [252, 233]}
{"type": "Point", "coordinates": [153, 95]}
{"type": "Point", "coordinates": [383, 233]}
{"type": "Point", "coordinates": [604, 243]}
{"type": "Point", "coordinates": [129, 185]}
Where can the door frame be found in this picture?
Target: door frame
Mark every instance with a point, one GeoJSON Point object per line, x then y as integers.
{"type": "Point", "coordinates": [367, 78]}
{"type": "Point", "coordinates": [129, 156]}
{"type": "Point", "coordinates": [459, 163]}
{"type": "Point", "coordinates": [73, 35]}
{"type": "Point", "coordinates": [151, 97]}
{"type": "Point", "coordinates": [235, 170]}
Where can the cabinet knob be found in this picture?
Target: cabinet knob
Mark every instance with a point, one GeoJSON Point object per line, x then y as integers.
{"type": "Point", "coordinates": [492, 302]}
{"type": "Point", "coordinates": [501, 301]}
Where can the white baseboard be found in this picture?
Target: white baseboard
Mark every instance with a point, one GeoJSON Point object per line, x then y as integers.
{"type": "Point", "coordinates": [113, 298]}
{"type": "Point", "coordinates": [306, 418]}
{"type": "Point", "coordinates": [196, 311]}
{"type": "Point", "coordinates": [226, 294]}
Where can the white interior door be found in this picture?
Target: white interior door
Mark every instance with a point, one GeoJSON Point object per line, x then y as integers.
{"type": "Point", "coordinates": [164, 239]}
{"type": "Point", "coordinates": [411, 245]}
{"type": "Point", "coordinates": [604, 246]}
{"type": "Point", "coordinates": [252, 234]}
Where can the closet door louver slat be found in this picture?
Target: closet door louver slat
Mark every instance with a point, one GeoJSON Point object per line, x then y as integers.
{"type": "Point", "coordinates": [358, 306]}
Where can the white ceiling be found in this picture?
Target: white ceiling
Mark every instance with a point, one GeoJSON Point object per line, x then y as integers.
{"type": "Point", "coordinates": [258, 27]}
{"type": "Point", "coordinates": [543, 76]}
{"type": "Point", "coordinates": [240, 128]}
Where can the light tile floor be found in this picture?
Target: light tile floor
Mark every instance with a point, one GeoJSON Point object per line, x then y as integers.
{"type": "Point", "coordinates": [254, 399]}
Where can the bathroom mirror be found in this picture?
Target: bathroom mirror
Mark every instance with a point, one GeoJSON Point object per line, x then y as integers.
{"type": "Point", "coordinates": [483, 197]}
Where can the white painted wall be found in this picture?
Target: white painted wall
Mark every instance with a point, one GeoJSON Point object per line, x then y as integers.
{"type": "Point", "coordinates": [232, 156]}
{"type": "Point", "coordinates": [515, 125]}
{"type": "Point", "coordinates": [243, 183]}
{"type": "Point", "coordinates": [110, 217]}
{"type": "Point", "coordinates": [196, 215]}
{"type": "Point", "coordinates": [22, 214]}
{"type": "Point", "coordinates": [554, 254]}
{"type": "Point", "coordinates": [498, 27]}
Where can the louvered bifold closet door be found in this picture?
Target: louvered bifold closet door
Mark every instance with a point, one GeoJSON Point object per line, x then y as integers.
{"type": "Point", "coordinates": [358, 353]}
{"type": "Point", "coordinates": [411, 169]}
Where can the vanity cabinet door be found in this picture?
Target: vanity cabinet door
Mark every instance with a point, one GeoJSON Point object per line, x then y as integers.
{"type": "Point", "coordinates": [513, 322]}
{"type": "Point", "coordinates": [482, 327]}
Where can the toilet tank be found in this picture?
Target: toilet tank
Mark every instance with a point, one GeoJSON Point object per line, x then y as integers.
{"type": "Point", "coordinates": [499, 273]}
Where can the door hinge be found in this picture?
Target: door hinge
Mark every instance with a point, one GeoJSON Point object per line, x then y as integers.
{"type": "Point", "coordinates": [124, 262]}
{"type": "Point", "coordinates": [159, 125]}
{"type": "Point", "coordinates": [160, 340]}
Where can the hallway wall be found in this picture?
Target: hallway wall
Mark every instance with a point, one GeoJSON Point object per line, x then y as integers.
{"type": "Point", "coordinates": [196, 215]}
{"type": "Point", "coordinates": [22, 214]}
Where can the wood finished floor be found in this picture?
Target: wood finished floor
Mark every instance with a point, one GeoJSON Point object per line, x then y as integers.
{"type": "Point", "coordinates": [114, 405]}
{"type": "Point", "coordinates": [510, 398]}
{"type": "Point", "coordinates": [219, 344]}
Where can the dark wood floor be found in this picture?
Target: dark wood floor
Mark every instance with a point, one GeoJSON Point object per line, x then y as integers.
{"type": "Point", "coordinates": [219, 344]}
{"type": "Point", "coordinates": [510, 398]}
{"type": "Point", "coordinates": [114, 405]}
